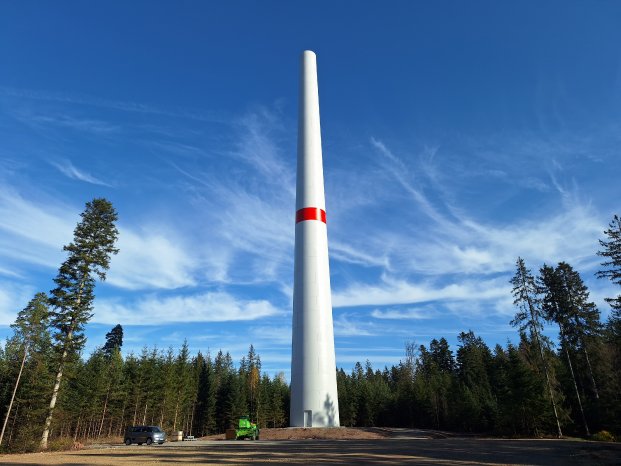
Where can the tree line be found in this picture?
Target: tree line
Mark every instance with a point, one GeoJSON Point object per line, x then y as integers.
{"type": "Point", "coordinates": [533, 387]}
{"type": "Point", "coordinates": [51, 397]}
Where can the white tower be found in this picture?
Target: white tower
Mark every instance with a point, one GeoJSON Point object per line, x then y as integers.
{"type": "Point", "coordinates": [314, 400]}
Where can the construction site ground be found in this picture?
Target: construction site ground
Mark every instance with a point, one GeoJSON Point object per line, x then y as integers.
{"type": "Point", "coordinates": [340, 446]}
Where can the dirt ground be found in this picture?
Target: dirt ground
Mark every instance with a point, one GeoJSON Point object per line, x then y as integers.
{"type": "Point", "coordinates": [388, 447]}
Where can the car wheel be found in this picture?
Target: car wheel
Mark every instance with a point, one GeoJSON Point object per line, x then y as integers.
{"type": "Point", "coordinates": [149, 441]}
{"type": "Point", "coordinates": [139, 443]}
{"type": "Point", "coordinates": [128, 441]}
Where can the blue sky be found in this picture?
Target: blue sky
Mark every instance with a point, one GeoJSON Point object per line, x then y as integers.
{"type": "Point", "coordinates": [457, 136]}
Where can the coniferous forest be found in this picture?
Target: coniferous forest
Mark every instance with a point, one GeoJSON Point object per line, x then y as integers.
{"type": "Point", "coordinates": [51, 395]}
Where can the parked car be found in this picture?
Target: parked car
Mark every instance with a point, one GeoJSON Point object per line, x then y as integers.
{"type": "Point", "coordinates": [144, 434]}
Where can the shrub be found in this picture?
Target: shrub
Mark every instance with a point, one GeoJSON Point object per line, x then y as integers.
{"type": "Point", "coordinates": [61, 444]}
{"type": "Point", "coordinates": [603, 436]}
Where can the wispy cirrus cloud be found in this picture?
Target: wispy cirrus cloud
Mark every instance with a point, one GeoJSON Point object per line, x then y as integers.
{"type": "Point", "coordinates": [398, 314]}
{"type": "Point", "coordinates": [200, 307]}
{"type": "Point", "coordinates": [21, 224]}
{"type": "Point", "coordinates": [70, 171]}
{"type": "Point", "coordinates": [151, 259]}
{"type": "Point", "coordinates": [74, 99]}
{"type": "Point", "coordinates": [456, 238]}
{"type": "Point", "coordinates": [348, 324]}
{"type": "Point", "coordinates": [67, 121]}
{"type": "Point", "coordinates": [392, 291]}
{"type": "Point", "coordinates": [444, 252]}
{"type": "Point", "coordinates": [14, 296]}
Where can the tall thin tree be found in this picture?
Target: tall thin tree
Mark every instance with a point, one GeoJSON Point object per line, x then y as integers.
{"type": "Point", "coordinates": [31, 328]}
{"type": "Point", "coordinates": [556, 305]}
{"type": "Point", "coordinates": [529, 316]}
{"type": "Point", "coordinates": [72, 299]}
{"type": "Point", "coordinates": [584, 320]}
{"type": "Point", "coordinates": [114, 340]}
{"type": "Point", "coordinates": [611, 250]}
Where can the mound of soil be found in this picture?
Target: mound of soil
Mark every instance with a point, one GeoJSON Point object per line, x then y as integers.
{"type": "Point", "coordinates": [300, 433]}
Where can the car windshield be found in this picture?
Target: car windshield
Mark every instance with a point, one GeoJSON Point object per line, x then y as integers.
{"type": "Point", "coordinates": [156, 429]}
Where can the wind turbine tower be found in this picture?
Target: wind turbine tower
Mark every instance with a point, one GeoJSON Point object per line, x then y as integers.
{"type": "Point", "coordinates": [314, 399]}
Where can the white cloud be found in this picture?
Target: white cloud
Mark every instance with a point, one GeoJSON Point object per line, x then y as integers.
{"type": "Point", "coordinates": [33, 233]}
{"type": "Point", "coordinates": [433, 237]}
{"type": "Point", "coordinates": [409, 314]}
{"type": "Point", "coordinates": [401, 173]}
{"type": "Point", "coordinates": [148, 259]}
{"type": "Point", "coordinates": [13, 298]}
{"type": "Point", "coordinates": [276, 335]}
{"type": "Point", "coordinates": [69, 170]}
{"type": "Point", "coordinates": [346, 253]}
{"type": "Point", "coordinates": [393, 291]}
{"type": "Point", "coordinates": [27, 220]}
{"type": "Point", "coordinates": [205, 307]}
{"type": "Point", "coordinates": [256, 146]}
{"type": "Point", "coordinates": [351, 325]}
{"type": "Point", "coordinates": [80, 124]}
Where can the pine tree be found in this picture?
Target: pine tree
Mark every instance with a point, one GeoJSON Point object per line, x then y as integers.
{"type": "Point", "coordinates": [112, 371]}
{"type": "Point", "coordinates": [557, 304]}
{"type": "Point", "coordinates": [584, 326]}
{"type": "Point", "coordinates": [114, 340]}
{"type": "Point", "coordinates": [530, 317]}
{"type": "Point", "coordinates": [72, 299]}
{"type": "Point", "coordinates": [30, 329]}
{"type": "Point", "coordinates": [474, 364]}
{"type": "Point", "coordinates": [611, 250]}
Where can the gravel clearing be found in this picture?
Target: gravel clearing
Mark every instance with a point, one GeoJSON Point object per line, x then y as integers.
{"type": "Point", "coordinates": [385, 447]}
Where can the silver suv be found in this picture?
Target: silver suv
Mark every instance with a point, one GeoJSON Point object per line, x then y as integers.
{"type": "Point", "coordinates": [144, 434]}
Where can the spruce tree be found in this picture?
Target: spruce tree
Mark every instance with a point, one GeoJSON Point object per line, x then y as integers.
{"type": "Point", "coordinates": [558, 306]}
{"type": "Point", "coordinates": [611, 250]}
{"type": "Point", "coordinates": [584, 326]}
{"type": "Point", "coordinates": [114, 340]}
{"type": "Point", "coordinates": [530, 317]}
{"type": "Point", "coordinates": [30, 329]}
{"type": "Point", "coordinates": [72, 299]}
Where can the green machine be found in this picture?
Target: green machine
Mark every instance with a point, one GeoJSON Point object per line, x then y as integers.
{"type": "Point", "coordinates": [246, 429]}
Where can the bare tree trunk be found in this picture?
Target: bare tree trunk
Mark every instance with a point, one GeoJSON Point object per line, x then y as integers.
{"type": "Point", "coordinates": [13, 424]}
{"type": "Point", "coordinates": [103, 414]}
{"type": "Point", "coordinates": [573, 379]}
{"type": "Point", "coordinates": [192, 417]}
{"type": "Point", "coordinates": [59, 376]}
{"type": "Point", "coordinates": [135, 411]}
{"type": "Point", "coordinates": [588, 360]}
{"type": "Point", "coordinates": [545, 369]}
{"type": "Point", "coordinates": [77, 429]}
{"type": "Point", "coordinates": [144, 418]}
{"type": "Point", "coordinates": [19, 376]}
{"type": "Point", "coordinates": [122, 423]}
{"type": "Point", "coordinates": [161, 412]}
{"type": "Point", "coordinates": [531, 308]}
{"type": "Point", "coordinates": [175, 420]}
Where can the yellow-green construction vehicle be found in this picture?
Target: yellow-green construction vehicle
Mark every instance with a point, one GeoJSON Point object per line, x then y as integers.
{"type": "Point", "coordinates": [246, 429]}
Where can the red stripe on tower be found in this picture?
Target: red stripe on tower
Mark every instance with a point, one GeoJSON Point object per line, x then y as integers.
{"type": "Point", "coordinates": [310, 213]}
